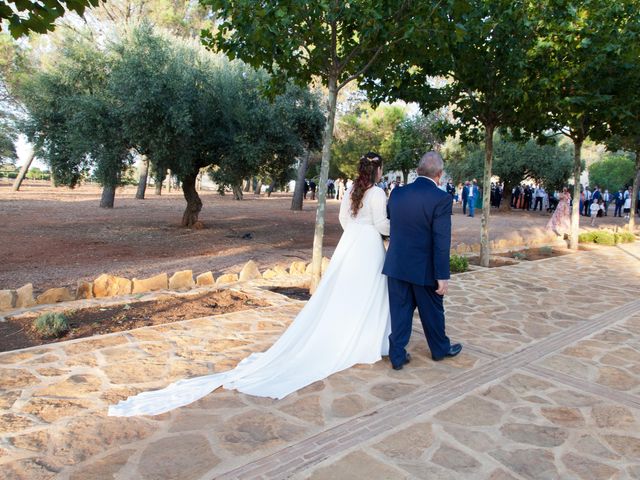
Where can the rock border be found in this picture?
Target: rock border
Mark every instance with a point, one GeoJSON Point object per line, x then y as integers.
{"type": "Point", "coordinates": [109, 286]}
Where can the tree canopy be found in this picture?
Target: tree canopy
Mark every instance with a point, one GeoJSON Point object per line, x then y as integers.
{"type": "Point", "coordinates": [514, 162]}
{"type": "Point", "coordinates": [613, 172]}
{"type": "Point", "coordinates": [166, 98]}
{"type": "Point", "coordinates": [301, 40]}
{"type": "Point", "coordinates": [361, 131]}
{"type": "Point", "coordinates": [412, 137]}
{"type": "Point", "coordinates": [480, 52]}
{"type": "Point", "coordinates": [26, 16]}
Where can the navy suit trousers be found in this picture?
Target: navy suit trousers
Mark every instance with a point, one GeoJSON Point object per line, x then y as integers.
{"type": "Point", "coordinates": [404, 297]}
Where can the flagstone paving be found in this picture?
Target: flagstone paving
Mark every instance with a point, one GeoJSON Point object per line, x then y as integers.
{"type": "Point", "coordinates": [547, 386]}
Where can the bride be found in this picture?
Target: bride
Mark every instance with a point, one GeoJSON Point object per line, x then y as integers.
{"type": "Point", "coordinates": [344, 323]}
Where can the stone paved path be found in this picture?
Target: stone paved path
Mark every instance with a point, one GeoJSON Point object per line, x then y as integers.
{"type": "Point", "coordinates": [548, 386]}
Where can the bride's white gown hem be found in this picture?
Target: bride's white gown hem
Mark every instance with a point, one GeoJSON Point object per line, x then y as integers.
{"type": "Point", "coordinates": [345, 322]}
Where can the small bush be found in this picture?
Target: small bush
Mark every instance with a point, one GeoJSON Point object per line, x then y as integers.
{"type": "Point", "coordinates": [586, 237]}
{"type": "Point", "coordinates": [519, 255]}
{"type": "Point", "coordinates": [51, 325]}
{"type": "Point", "coordinates": [624, 237]}
{"type": "Point", "coordinates": [599, 237]}
{"type": "Point", "coordinates": [458, 264]}
{"type": "Point", "coordinates": [546, 250]}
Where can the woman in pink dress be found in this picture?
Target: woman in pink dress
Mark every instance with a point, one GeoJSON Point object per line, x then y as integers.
{"type": "Point", "coordinates": [560, 222]}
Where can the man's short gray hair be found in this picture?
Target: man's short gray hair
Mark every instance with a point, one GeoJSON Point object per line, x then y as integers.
{"type": "Point", "coordinates": [431, 165]}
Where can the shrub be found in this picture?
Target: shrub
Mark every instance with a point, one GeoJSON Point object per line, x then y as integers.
{"type": "Point", "coordinates": [624, 237]}
{"type": "Point", "coordinates": [586, 237]}
{"type": "Point", "coordinates": [604, 237]}
{"type": "Point", "coordinates": [51, 325]}
{"type": "Point", "coordinates": [458, 264]}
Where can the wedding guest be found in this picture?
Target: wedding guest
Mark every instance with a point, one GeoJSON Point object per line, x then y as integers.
{"type": "Point", "coordinates": [560, 221]}
{"type": "Point", "coordinates": [473, 195]}
{"type": "Point", "coordinates": [627, 203]}
{"type": "Point", "coordinates": [587, 200]}
{"type": "Point", "coordinates": [465, 197]}
{"type": "Point", "coordinates": [619, 203]}
{"type": "Point", "coordinates": [312, 189]}
{"type": "Point", "coordinates": [582, 200]}
{"type": "Point", "coordinates": [498, 195]}
{"type": "Point", "coordinates": [340, 189]}
{"type": "Point", "coordinates": [595, 210]}
{"type": "Point", "coordinates": [539, 195]}
{"type": "Point", "coordinates": [606, 199]}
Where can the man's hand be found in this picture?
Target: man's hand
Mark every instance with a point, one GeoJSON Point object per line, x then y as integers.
{"type": "Point", "coordinates": [443, 287]}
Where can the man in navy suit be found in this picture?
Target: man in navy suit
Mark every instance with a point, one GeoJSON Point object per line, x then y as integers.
{"type": "Point", "coordinates": [417, 262]}
{"type": "Point", "coordinates": [465, 197]}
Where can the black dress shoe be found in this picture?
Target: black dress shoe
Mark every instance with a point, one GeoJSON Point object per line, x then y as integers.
{"type": "Point", "coordinates": [454, 350]}
{"type": "Point", "coordinates": [406, 360]}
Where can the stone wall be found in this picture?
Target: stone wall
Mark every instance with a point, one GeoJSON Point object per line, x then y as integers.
{"type": "Point", "coordinates": [107, 285]}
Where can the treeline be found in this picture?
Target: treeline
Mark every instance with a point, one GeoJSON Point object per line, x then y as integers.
{"type": "Point", "coordinates": [94, 106]}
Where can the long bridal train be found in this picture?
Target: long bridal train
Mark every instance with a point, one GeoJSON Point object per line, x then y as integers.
{"type": "Point", "coordinates": [344, 323]}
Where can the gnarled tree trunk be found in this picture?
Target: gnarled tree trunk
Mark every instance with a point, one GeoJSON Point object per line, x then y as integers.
{"type": "Point", "coordinates": [142, 182]}
{"type": "Point", "coordinates": [194, 204]}
{"type": "Point", "coordinates": [505, 203]}
{"type": "Point", "coordinates": [108, 196]}
{"type": "Point", "coordinates": [247, 185]}
{"type": "Point", "coordinates": [23, 171]}
{"type": "Point", "coordinates": [237, 191]}
{"type": "Point", "coordinates": [257, 188]}
{"type": "Point", "coordinates": [298, 193]}
{"type": "Point", "coordinates": [271, 188]}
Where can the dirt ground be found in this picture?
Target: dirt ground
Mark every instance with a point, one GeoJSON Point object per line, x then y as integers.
{"type": "Point", "coordinates": [19, 332]}
{"type": "Point", "coordinates": [56, 236]}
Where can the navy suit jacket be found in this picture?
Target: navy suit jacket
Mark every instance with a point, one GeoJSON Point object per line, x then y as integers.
{"type": "Point", "coordinates": [420, 215]}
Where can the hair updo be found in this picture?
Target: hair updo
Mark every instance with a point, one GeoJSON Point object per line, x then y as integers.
{"type": "Point", "coordinates": [367, 176]}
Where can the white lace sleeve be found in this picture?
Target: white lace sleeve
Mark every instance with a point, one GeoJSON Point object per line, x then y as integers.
{"type": "Point", "coordinates": [379, 211]}
{"type": "Point", "coordinates": [345, 210]}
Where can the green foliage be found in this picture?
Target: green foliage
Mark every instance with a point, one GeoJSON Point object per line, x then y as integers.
{"type": "Point", "coordinates": [514, 162]}
{"type": "Point", "coordinates": [481, 48]}
{"type": "Point", "coordinates": [299, 40]}
{"type": "Point", "coordinates": [35, 173]}
{"type": "Point", "coordinates": [413, 137]}
{"type": "Point", "coordinates": [577, 43]}
{"type": "Point", "coordinates": [624, 237]}
{"type": "Point", "coordinates": [458, 264]}
{"type": "Point", "coordinates": [600, 237]}
{"type": "Point", "coordinates": [74, 121]}
{"type": "Point", "coordinates": [613, 172]}
{"type": "Point", "coordinates": [25, 17]}
{"type": "Point", "coordinates": [51, 325]}
{"type": "Point", "coordinates": [187, 109]}
{"type": "Point", "coordinates": [365, 130]}
{"type": "Point", "coordinates": [171, 100]}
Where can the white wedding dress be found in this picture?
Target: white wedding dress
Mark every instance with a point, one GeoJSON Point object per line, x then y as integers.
{"type": "Point", "coordinates": [344, 323]}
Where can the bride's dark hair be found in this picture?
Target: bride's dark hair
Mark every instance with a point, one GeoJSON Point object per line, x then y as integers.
{"type": "Point", "coordinates": [367, 172]}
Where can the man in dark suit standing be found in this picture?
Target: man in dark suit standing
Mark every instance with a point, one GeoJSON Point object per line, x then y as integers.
{"type": "Point", "coordinates": [417, 262]}
{"type": "Point", "coordinates": [465, 197]}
